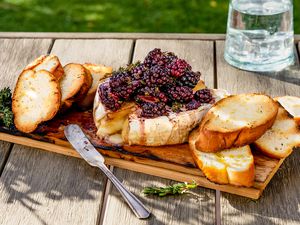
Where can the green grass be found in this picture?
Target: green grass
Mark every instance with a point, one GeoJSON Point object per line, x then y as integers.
{"type": "Point", "coordinates": [182, 16]}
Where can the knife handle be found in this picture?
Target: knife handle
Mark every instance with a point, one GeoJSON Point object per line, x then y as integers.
{"type": "Point", "coordinates": [134, 203]}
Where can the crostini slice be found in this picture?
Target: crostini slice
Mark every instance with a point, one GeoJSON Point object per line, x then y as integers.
{"type": "Point", "coordinates": [280, 140]}
{"type": "Point", "coordinates": [292, 105]}
{"type": "Point", "coordinates": [98, 72]}
{"type": "Point", "coordinates": [49, 63]}
{"type": "Point", "coordinates": [236, 121]}
{"type": "Point", "coordinates": [74, 84]}
{"type": "Point", "coordinates": [231, 166]}
{"type": "Point", "coordinates": [36, 98]}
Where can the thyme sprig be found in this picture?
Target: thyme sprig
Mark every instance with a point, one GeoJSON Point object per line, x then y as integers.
{"type": "Point", "coordinates": [175, 189]}
{"type": "Point", "coordinates": [6, 115]}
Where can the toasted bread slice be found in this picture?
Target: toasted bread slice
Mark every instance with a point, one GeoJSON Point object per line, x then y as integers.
{"type": "Point", "coordinates": [74, 84]}
{"type": "Point", "coordinates": [281, 138]}
{"type": "Point", "coordinates": [49, 63]}
{"type": "Point", "coordinates": [36, 99]}
{"type": "Point", "coordinates": [232, 166]}
{"type": "Point", "coordinates": [98, 73]}
{"type": "Point", "coordinates": [88, 80]}
{"type": "Point", "coordinates": [292, 105]}
{"type": "Point", "coordinates": [236, 121]}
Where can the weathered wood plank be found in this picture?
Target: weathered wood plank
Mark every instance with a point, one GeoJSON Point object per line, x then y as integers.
{"type": "Point", "coordinates": [170, 210]}
{"type": "Point", "coordinates": [109, 52]}
{"type": "Point", "coordinates": [14, 55]}
{"type": "Point", "coordinates": [90, 35]}
{"type": "Point", "coordinates": [279, 203]}
{"type": "Point", "coordinates": [112, 35]}
{"type": "Point", "coordinates": [184, 209]}
{"type": "Point", "coordinates": [44, 188]}
{"type": "Point", "coordinates": [4, 152]}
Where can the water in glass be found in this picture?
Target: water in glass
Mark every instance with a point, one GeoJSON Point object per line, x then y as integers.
{"type": "Point", "coordinates": [260, 34]}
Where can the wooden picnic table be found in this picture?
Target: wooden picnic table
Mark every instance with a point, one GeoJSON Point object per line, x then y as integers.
{"type": "Point", "coordinates": [39, 187]}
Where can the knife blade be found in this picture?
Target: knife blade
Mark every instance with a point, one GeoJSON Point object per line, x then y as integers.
{"type": "Point", "coordinates": [83, 146]}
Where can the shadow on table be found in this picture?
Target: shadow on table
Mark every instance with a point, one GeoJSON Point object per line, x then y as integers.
{"type": "Point", "coordinates": [34, 179]}
{"type": "Point", "coordinates": [279, 203]}
{"type": "Point", "coordinates": [44, 182]}
{"type": "Point", "coordinates": [290, 75]}
{"type": "Point", "coordinates": [198, 208]}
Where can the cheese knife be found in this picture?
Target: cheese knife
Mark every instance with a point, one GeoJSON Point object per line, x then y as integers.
{"type": "Point", "coordinates": [83, 146]}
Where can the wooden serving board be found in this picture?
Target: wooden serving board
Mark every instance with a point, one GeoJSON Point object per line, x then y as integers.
{"type": "Point", "coordinates": [148, 161]}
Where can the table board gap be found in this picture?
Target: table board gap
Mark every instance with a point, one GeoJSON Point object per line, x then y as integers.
{"type": "Point", "coordinates": [107, 189]}
{"type": "Point", "coordinates": [130, 60]}
{"type": "Point", "coordinates": [5, 158]}
{"type": "Point", "coordinates": [215, 66]}
{"type": "Point", "coordinates": [50, 46]}
{"type": "Point", "coordinates": [218, 207]}
{"type": "Point", "coordinates": [298, 51]}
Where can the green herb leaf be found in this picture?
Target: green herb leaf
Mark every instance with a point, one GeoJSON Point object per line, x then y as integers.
{"type": "Point", "coordinates": [6, 114]}
{"type": "Point", "coordinates": [175, 189]}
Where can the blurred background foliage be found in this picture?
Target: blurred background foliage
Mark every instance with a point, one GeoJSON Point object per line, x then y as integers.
{"type": "Point", "coordinates": [182, 16]}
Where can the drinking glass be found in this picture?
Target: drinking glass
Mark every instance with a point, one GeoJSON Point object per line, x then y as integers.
{"type": "Point", "coordinates": [260, 35]}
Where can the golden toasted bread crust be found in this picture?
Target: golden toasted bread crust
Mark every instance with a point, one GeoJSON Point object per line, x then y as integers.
{"type": "Point", "coordinates": [56, 69]}
{"type": "Point", "coordinates": [280, 140]}
{"type": "Point", "coordinates": [222, 174]}
{"type": "Point", "coordinates": [88, 80]}
{"type": "Point", "coordinates": [213, 140]}
{"type": "Point", "coordinates": [292, 105]}
{"type": "Point", "coordinates": [27, 112]}
{"type": "Point", "coordinates": [98, 72]}
{"type": "Point", "coordinates": [75, 84]}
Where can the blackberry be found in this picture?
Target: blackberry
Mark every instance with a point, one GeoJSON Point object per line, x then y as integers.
{"type": "Point", "coordinates": [137, 70]}
{"type": "Point", "coordinates": [119, 78]}
{"type": "Point", "coordinates": [151, 109]}
{"type": "Point", "coordinates": [109, 99]}
{"type": "Point", "coordinates": [193, 104]}
{"type": "Point", "coordinates": [123, 85]}
{"type": "Point", "coordinates": [154, 92]}
{"type": "Point", "coordinates": [157, 76]}
{"type": "Point", "coordinates": [189, 78]}
{"type": "Point", "coordinates": [204, 96]}
{"type": "Point", "coordinates": [157, 57]}
{"type": "Point", "coordinates": [179, 93]}
{"type": "Point", "coordinates": [177, 67]}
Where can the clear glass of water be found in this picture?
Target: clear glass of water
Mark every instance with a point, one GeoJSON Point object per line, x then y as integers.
{"type": "Point", "coordinates": [260, 35]}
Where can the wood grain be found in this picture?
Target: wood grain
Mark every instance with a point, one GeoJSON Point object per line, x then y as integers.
{"type": "Point", "coordinates": [112, 35]}
{"type": "Point", "coordinates": [45, 188]}
{"type": "Point", "coordinates": [280, 201]}
{"type": "Point", "coordinates": [4, 153]}
{"type": "Point", "coordinates": [109, 52]}
{"type": "Point", "coordinates": [265, 167]}
{"type": "Point", "coordinates": [179, 210]}
{"type": "Point", "coordinates": [14, 55]}
{"type": "Point", "coordinates": [104, 35]}
{"type": "Point", "coordinates": [186, 209]}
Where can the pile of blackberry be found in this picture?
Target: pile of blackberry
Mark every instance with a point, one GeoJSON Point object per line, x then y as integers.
{"type": "Point", "coordinates": [161, 84]}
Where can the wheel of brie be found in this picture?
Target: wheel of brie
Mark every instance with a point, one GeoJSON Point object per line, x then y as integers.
{"type": "Point", "coordinates": [154, 103]}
